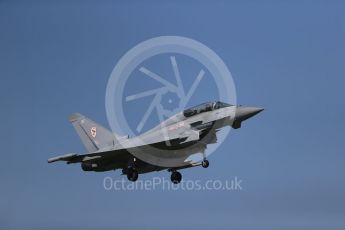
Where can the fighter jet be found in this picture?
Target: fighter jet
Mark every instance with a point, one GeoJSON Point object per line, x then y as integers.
{"type": "Point", "coordinates": [167, 146]}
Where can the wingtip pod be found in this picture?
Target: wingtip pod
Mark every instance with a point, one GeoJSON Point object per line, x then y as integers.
{"type": "Point", "coordinates": [75, 116]}
{"type": "Point", "coordinates": [61, 158]}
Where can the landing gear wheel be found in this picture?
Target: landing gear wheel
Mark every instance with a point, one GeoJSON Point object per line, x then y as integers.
{"type": "Point", "coordinates": [132, 175]}
{"type": "Point", "coordinates": [176, 177]}
{"type": "Point", "coordinates": [205, 163]}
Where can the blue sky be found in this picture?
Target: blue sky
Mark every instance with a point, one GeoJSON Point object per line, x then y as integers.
{"type": "Point", "coordinates": [56, 58]}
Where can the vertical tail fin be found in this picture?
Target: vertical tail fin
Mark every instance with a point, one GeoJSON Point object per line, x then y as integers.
{"type": "Point", "coordinates": [93, 135]}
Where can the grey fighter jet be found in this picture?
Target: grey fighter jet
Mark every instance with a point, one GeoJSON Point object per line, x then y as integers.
{"type": "Point", "coordinates": [167, 146]}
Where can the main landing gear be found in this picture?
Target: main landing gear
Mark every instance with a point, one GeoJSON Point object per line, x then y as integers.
{"type": "Point", "coordinates": [131, 171]}
{"type": "Point", "coordinates": [132, 174]}
{"type": "Point", "coordinates": [176, 176]}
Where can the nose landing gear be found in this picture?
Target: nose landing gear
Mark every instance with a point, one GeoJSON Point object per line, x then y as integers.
{"type": "Point", "coordinates": [205, 163]}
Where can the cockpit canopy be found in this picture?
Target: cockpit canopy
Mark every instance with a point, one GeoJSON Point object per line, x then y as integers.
{"type": "Point", "coordinates": [205, 107]}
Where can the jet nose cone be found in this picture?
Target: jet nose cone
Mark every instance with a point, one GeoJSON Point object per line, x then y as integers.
{"type": "Point", "coordinates": [254, 110]}
{"type": "Point", "coordinates": [243, 113]}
